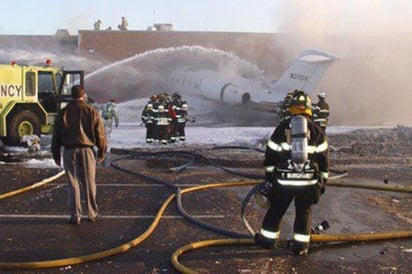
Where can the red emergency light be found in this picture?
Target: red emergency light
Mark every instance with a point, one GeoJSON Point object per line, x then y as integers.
{"type": "Point", "coordinates": [48, 62]}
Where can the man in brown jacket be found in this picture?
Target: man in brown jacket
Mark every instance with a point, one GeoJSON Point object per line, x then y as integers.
{"type": "Point", "coordinates": [78, 128]}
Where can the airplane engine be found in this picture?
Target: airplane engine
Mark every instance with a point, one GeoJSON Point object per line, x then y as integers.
{"type": "Point", "coordinates": [208, 84]}
{"type": "Point", "coordinates": [225, 93]}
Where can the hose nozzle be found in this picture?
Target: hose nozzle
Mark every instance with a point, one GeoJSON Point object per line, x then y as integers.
{"type": "Point", "coordinates": [324, 225]}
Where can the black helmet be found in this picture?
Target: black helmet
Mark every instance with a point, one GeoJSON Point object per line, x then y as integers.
{"type": "Point", "coordinates": [176, 96]}
{"type": "Point", "coordinates": [301, 103]}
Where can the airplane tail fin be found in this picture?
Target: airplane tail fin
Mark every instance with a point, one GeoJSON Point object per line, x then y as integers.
{"type": "Point", "coordinates": [305, 72]}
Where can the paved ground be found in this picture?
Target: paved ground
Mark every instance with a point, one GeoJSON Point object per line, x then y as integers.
{"type": "Point", "coordinates": [33, 224]}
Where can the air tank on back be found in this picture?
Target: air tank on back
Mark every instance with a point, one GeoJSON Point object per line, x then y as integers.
{"type": "Point", "coordinates": [299, 128]}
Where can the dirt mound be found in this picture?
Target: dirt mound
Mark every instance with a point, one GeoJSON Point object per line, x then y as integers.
{"type": "Point", "coordinates": [372, 142]}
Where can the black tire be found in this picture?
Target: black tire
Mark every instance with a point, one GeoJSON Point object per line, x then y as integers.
{"type": "Point", "coordinates": [20, 124]}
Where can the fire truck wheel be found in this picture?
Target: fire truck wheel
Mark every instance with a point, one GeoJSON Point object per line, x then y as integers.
{"type": "Point", "coordinates": [22, 123]}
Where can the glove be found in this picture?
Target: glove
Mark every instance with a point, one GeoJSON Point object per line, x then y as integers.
{"type": "Point", "coordinates": [263, 193]}
{"type": "Point", "coordinates": [266, 188]}
{"type": "Point", "coordinates": [318, 189]}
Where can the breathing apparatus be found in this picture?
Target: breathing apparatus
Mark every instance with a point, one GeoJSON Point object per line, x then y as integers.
{"type": "Point", "coordinates": [297, 138]}
{"type": "Point", "coordinates": [299, 156]}
{"type": "Point", "coordinates": [301, 107]}
{"type": "Point", "coordinates": [299, 142]}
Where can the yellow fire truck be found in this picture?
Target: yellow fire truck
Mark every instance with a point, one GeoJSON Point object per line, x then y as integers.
{"type": "Point", "coordinates": [30, 96]}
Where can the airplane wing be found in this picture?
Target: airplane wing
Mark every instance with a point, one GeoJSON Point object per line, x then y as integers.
{"type": "Point", "coordinates": [303, 74]}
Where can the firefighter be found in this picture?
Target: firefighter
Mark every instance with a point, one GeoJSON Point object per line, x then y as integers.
{"type": "Point", "coordinates": [162, 124]}
{"type": "Point", "coordinates": [296, 167]}
{"type": "Point", "coordinates": [321, 112]}
{"type": "Point", "coordinates": [284, 109]}
{"type": "Point", "coordinates": [110, 114]}
{"type": "Point", "coordinates": [149, 119]}
{"type": "Point", "coordinates": [179, 107]}
{"type": "Point", "coordinates": [164, 100]}
{"type": "Point", "coordinates": [90, 100]}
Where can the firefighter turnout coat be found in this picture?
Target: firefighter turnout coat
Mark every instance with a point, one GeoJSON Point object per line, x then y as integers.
{"type": "Point", "coordinates": [321, 114]}
{"type": "Point", "coordinates": [304, 185]}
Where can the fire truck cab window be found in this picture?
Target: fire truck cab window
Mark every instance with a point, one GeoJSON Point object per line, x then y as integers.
{"type": "Point", "coordinates": [58, 80]}
{"type": "Point", "coordinates": [45, 83]}
{"type": "Point", "coordinates": [30, 84]}
{"type": "Point", "coordinates": [47, 91]}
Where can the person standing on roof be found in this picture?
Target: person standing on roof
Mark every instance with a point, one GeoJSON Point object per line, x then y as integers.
{"type": "Point", "coordinates": [124, 24]}
{"type": "Point", "coordinates": [296, 168]}
{"type": "Point", "coordinates": [97, 24]}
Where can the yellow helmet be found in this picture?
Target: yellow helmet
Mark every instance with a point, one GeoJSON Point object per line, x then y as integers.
{"type": "Point", "coordinates": [300, 104]}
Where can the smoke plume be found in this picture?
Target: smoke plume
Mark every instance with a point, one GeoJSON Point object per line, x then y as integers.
{"type": "Point", "coordinates": [369, 84]}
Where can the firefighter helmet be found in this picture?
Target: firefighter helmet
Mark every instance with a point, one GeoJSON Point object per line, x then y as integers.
{"type": "Point", "coordinates": [176, 96]}
{"type": "Point", "coordinates": [322, 95]}
{"type": "Point", "coordinates": [163, 94]}
{"type": "Point", "coordinates": [289, 96]}
{"type": "Point", "coordinates": [300, 104]}
{"type": "Point", "coordinates": [153, 97]}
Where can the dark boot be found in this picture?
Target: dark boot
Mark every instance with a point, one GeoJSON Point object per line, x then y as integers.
{"type": "Point", "coordinates": [300, 248]}
{"type": "Point", "coordinates": [264, 242]}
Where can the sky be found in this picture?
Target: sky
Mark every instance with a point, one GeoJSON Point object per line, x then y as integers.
{"type": "Point", "coordinates": [44, 17]}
